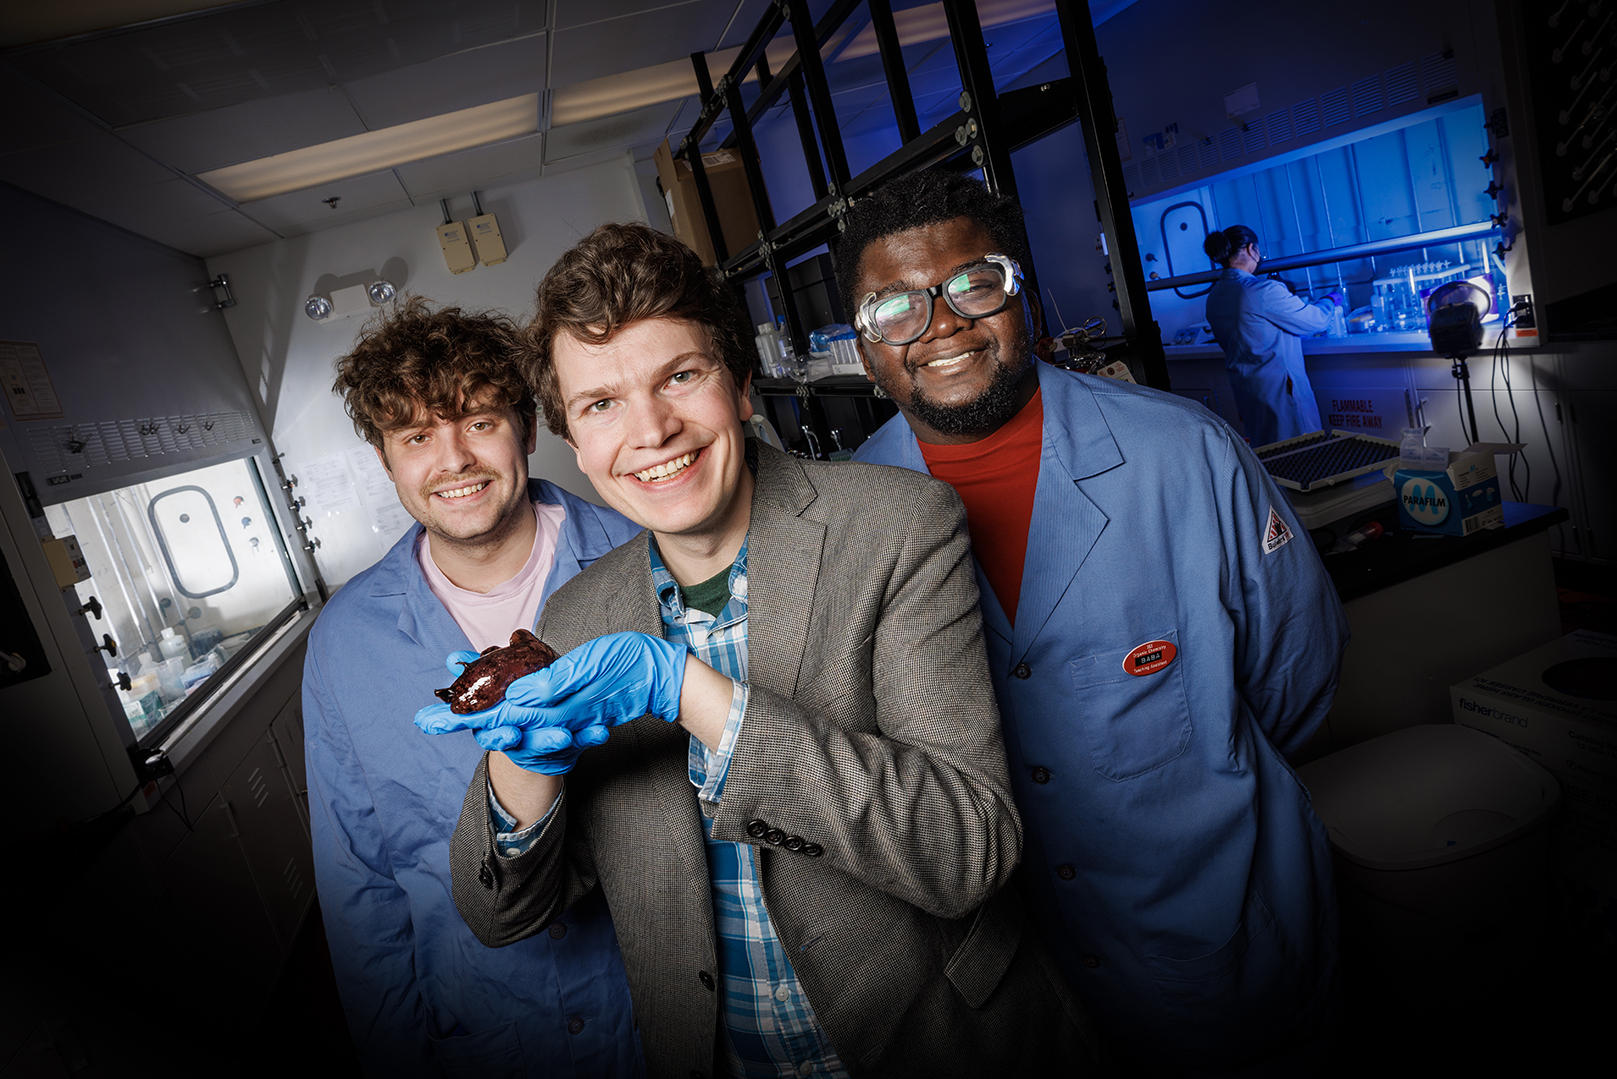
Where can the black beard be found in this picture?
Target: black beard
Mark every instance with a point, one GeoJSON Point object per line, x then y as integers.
{"type": "Point", "coordinates": [992, 409]}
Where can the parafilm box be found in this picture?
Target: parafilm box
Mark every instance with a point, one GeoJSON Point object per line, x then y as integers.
{"type": "Point", "coordinates": [1456, 501]}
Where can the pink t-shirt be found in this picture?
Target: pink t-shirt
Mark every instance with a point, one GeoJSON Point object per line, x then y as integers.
{"type": "Point", "coordinates": [489, 618]}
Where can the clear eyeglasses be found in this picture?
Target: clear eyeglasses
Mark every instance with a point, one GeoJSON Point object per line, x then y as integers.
{"type": "Point", "coordinates": [976, 292]}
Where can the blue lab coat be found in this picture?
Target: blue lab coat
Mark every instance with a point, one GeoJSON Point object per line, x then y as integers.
{"type": "Point", "coordinates": [1171, 857]}
{"type": "Point", "coordinates": [1257, 322]}
{"type": "Point", "coordinates": [422, 995]}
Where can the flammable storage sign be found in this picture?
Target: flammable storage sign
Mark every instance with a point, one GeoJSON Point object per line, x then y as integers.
{"type": "Point", "coordinates": [1380, 411]}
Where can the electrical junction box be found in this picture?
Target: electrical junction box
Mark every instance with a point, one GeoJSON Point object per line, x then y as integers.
{"type": "Point", "coordinates": [67, 561]}
{"type": "Point", "coordinates": [457, 251]}
{"type": "Point", "coordinates": [348, 302]}
{"type": "Point", "coordinates": [486, 239]}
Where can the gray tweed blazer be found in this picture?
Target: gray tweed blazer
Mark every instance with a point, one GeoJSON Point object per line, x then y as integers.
{"type": "Point", "coordinates": [869, 773]}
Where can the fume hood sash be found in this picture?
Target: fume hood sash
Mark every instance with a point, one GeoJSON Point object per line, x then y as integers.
{"type": "Point", "coordinates": [1437, 238]}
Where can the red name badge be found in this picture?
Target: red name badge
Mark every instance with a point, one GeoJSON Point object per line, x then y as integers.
{"type": "Point", "coordinates": [1150, 657]}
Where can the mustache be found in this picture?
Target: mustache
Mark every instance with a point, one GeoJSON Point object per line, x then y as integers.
{"type": "Point", "coordinates": [455, 483]}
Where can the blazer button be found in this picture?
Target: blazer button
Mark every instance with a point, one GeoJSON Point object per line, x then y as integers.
{"type": "Point", "coordinates": [1041, 775]}
{"type": "Point", "coordinates": [1091, 961]}
{"type": "Point", "coordinates": [485, 876]}
{"type": "Point", "coordinates": [757, 828]}
{"type": "Point", "coordinates": [793, 843]}
{"type": "Point", "coordinates": [774, 837]}
{"type": "Point", "coordinates": [812, 850]}
{"type": "Point", "coordinates": [1065, 872]}
{"type": "Point", "coordinates": [706, 979]}
{"type": "Point", "coordinates": [575, 1025]}
{"type": "Point", "coordinates": [557, 930]}
{"type": "Point", "coordinates": [1023, 671]}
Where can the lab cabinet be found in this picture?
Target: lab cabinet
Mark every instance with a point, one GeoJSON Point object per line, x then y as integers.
{"type": "Point", "coordinates": [261, 799]}
{"type": "Point", "coordinates": [236, 878]}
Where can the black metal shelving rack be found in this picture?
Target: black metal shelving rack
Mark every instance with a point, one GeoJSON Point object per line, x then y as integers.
{"type": "Point", "coordinates": [982, 133]}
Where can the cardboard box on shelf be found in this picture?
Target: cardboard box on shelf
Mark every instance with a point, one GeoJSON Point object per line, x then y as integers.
{"type": "Point", "coordinates": [1456, 501]}
{"type": "Point", "coordinates": [732, 199]}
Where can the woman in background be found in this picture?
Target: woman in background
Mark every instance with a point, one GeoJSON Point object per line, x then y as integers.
{"type": "Point", "coordinates": [1258, 323]}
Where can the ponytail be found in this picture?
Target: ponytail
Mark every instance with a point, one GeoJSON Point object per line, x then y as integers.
{"type": "Point", "coordinates": [1223, 246]}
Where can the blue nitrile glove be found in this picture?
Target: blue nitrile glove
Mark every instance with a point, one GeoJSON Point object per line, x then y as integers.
{"type": "Point", "coordinates": [604, 682]}
{"type": "Point", "coordinates": [599, 684]}
{"type": "Point", "coordinates": [551, 751]}
{"type": "Point", "coordinates": [1336, 297]}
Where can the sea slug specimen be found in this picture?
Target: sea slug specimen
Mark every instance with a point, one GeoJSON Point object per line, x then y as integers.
{"type": "Point", "coordinates": [483, 682]}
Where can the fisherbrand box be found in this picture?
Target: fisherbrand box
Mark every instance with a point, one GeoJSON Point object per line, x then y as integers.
{"type": "Point", "coordinates": [1454, 502]}
{"type": "Point", "coordinates": [1556, 704]}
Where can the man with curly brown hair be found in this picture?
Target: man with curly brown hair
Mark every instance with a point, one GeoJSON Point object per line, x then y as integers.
{"type": "Point", "coordinates": [442, 397]}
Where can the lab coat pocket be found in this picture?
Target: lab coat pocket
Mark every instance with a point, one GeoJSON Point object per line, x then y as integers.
{"type": "Point", "coordinates": [1237, 995]}
{"type": "Point", "coordinates": [1132, 723]}
{"type": "Point", "coordinates": [488, 1054]}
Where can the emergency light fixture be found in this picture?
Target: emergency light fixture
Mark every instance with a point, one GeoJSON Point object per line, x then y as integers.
{"type": "Point", "coordinates": [347, 302]}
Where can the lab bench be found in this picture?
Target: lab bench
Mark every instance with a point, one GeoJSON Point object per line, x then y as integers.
{"type": "Point", "coordinates": [1427, 612]}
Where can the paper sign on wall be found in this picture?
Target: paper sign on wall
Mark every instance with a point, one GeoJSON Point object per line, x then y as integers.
{"type": "Point", "coordinates": [388, 517]}
{"type": "Point", "coordinates": [27, 383]}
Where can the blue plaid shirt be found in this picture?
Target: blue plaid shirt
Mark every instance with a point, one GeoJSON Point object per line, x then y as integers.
{"type": "Point", "coordinates": [771, 1026]}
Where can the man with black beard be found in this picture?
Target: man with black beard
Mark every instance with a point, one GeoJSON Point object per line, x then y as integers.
{"type": "Point", "coordinates": [1157, 643]}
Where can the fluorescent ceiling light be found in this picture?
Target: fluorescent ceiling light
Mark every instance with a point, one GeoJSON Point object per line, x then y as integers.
{"type": "Point", "coordinates": [374, 151]}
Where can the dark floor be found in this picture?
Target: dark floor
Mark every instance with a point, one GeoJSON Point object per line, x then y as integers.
{"type": "Point", "coordinates": [1533, 992]}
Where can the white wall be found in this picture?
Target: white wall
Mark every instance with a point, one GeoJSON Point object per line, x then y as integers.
{"type": "Point", "coordinates": [288, 358]}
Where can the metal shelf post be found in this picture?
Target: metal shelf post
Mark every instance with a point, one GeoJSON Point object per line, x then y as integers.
{"type": "Point", "coordinates": [1099, 124]}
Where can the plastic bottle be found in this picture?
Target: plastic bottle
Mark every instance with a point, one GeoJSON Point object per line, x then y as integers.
{"type": "Point", "coordinates": [172, 645]}
{"type": "Point", "coordinates": [797, 368]}
{"type": "Point", "coordinates": [768, 345]}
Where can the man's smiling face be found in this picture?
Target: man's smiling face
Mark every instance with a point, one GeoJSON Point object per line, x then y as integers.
{"type": "Point", "coordinates": [465, 479]}
{"type": "Point", "coordinates": [656, 421]}
{"type": "Point", "coordinates": [963, 378]}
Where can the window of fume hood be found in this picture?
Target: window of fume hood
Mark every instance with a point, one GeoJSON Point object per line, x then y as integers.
{"type": "Point", "coordinates": [191, 572]}
{"type": "Point", "coordinates": [1408, 200]}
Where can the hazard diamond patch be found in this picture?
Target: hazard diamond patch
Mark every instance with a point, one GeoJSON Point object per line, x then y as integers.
{"type": "Point", "coordinates": [1277, 534]}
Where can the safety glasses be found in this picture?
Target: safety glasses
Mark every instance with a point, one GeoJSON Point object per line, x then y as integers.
{"type": "Point", "coordinates": [976, 292]}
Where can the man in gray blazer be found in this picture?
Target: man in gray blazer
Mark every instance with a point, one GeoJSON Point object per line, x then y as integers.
{"type": "Point", "coordinates": [797, 807]}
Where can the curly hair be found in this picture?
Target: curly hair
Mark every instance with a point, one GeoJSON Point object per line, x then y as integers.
{"type": "Point", "coordinates": [620, 274]}
{"type": "Point", "coordinates": [447, 362]}
{"type": "Point", "coordinates": [928, 197]}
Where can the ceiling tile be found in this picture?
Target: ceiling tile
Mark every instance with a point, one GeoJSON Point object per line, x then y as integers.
{"type": "Point", "coordinates": [451, 83]}
{"type": "Point", "coordinates": [71, 172]}
{"type": "Point", "coordinates": [246, 132]}
{"type": "Point", "coordinates": [570, 13]}
{"type": "Point", "coordinates": [216, 234]}
{"type": "Point", "coordinates": [306, 210]}
{"type": "Point", "coordinates": [747, 14]}
{"type": "Point", "coordinates": [472, 169]}
{"type": "Point", "coordinates": [252, 51]}
{"type": "Point", "coordinates": [31, 118]}
{"type": "Point", "coordinates": [626, 129]}
{"type": "Point", "coordinates": [379, 210]}
{"type": "Point", "coordinates": [137, 208]}
{"type": "Point", "coordinates": [628, 44]}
